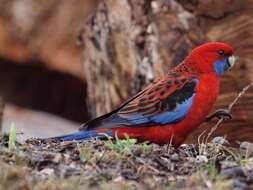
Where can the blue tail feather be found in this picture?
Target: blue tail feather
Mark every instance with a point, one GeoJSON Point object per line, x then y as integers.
{"type": "Point", "coordinates": [82, 135]}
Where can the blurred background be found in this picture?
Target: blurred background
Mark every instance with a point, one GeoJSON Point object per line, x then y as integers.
{"type": "Point", "coordinates": [63, 62]}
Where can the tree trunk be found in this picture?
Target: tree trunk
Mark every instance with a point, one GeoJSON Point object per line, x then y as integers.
{"type": "Point", "coordinates": [129, 43]}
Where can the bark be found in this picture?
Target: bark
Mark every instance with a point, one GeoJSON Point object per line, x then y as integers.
{"type": "Point", "coordinates": [129, 43]}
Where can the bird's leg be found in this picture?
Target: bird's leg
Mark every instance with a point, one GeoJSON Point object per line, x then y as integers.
{"type": "Point", "coordinates": [220, 113]}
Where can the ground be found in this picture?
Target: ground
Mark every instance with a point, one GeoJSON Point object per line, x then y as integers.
{"type": "Point", "coordinates": [124, 164]}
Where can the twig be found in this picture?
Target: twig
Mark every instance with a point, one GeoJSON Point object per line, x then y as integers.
{"type": "Point", "coordinates": [231, 105]}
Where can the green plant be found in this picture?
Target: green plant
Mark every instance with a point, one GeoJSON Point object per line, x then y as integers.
{"type": "Point", "coordinates": [12, 137]}
{"type": "Point", "coordinates": [84, 154]}
{"type": "Point", "coordinates": [145, 147]}
{"type": "Point", "coordinates": [211, 169]}
{"type": "Point", "coordinates": [122, 146]}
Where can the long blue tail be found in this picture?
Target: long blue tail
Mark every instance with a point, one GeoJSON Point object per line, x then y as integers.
{"type": "Point", "coordinates": [83, 135]}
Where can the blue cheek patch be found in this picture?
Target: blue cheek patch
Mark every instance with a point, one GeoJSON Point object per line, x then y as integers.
{"type": "Point", "coordinates": [220, 67]}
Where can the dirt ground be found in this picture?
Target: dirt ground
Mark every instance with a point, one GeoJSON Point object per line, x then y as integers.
{"type": "Point", "coordinates": [124, 164]}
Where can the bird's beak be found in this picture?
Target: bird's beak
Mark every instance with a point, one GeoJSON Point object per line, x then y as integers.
{"type": "Point", "coordinates": [231, 60]}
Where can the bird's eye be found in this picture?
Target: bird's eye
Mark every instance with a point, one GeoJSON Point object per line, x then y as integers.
{"type": "Point", "coordinates": [221, 52]}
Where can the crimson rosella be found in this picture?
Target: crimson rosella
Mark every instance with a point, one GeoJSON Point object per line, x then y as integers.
{"type": "Point", "coordinates": [171, 107]}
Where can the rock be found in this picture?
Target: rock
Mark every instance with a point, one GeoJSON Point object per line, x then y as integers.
{"type": "Point", "coordinates": [232, 172]}
{"type": "Point", "coordinates": [239, 184]}
{"type": "Point", "coordinates": [228, 164]}
{"type": "Point", "coordinates": [47, 172]}
{"type": "Point", "coordinates": [69, 170]}
{"type": "Point", "coordinates": [246, 148]}
{"type": "Point", "coordinates": [201, 159]}
{"type": "Point", "coordinates": [57, 158]}
{"type": "Point", "coordinates": [219, 140]}
{"type": "Point", "coordinates": [174, 157]}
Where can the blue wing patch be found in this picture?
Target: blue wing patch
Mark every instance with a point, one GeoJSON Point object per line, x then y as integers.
{"type": "Point", "coordinates": [177, 114]}
{"type": "Point", "coordinates": [153, 107]}
{"type": "Point", "coordinates": [167, 117]}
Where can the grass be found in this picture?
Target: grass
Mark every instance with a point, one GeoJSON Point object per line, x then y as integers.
{"type": "Point", "coordinates": [122, 146]}
{"type": "Point", "coordinates": [12, 137]}
{"type": "Point", "coordinates": [146, 147]}
{"type": "Point", "coordinates": [211, 169]}
{"type": "Point", "coordinates": [125, 146]}
{"type": "Point", "coordinates": [85, 154]}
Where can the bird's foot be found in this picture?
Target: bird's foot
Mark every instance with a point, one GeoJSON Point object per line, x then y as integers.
{"type": "Point", "coordinates": [220, 113]}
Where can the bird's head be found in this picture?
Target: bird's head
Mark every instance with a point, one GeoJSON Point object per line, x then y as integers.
{"type": "Point", "coordinates": [212, 57]}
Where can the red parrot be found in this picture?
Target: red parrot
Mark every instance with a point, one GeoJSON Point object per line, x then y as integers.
{"type": "Point", "coordinates": [171, 107]}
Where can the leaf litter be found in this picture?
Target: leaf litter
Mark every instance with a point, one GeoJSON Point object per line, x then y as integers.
{"type": "Point", "coordinates": [96, 164]}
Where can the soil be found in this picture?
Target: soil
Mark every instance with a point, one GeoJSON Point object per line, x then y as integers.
{"type": "Point", "coordinates": [125, 164]}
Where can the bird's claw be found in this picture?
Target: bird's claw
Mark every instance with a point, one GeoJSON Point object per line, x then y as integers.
{"type": "Point", "coordinates": [220, 113]}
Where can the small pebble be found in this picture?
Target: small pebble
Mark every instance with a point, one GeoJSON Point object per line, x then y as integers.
{"type": "Point", "coordinates": [201, 159]}
{"type": "Point", "coordinates": [239, 184]}
{"type": "Point", "coordinates": [232, 172]}
{"type": "Point", "coordinates": [57, 158]}
{"type": "Point", "coordinates": [246, 148]}
{"type": "Point", "coordinates": [219, 140]}
{"type": "Point", "coordinates": [47, 171]}
{"type": "Point", "coordinates": [228, 164]}
{"type": "Point", "coordinates": [174, 157]}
